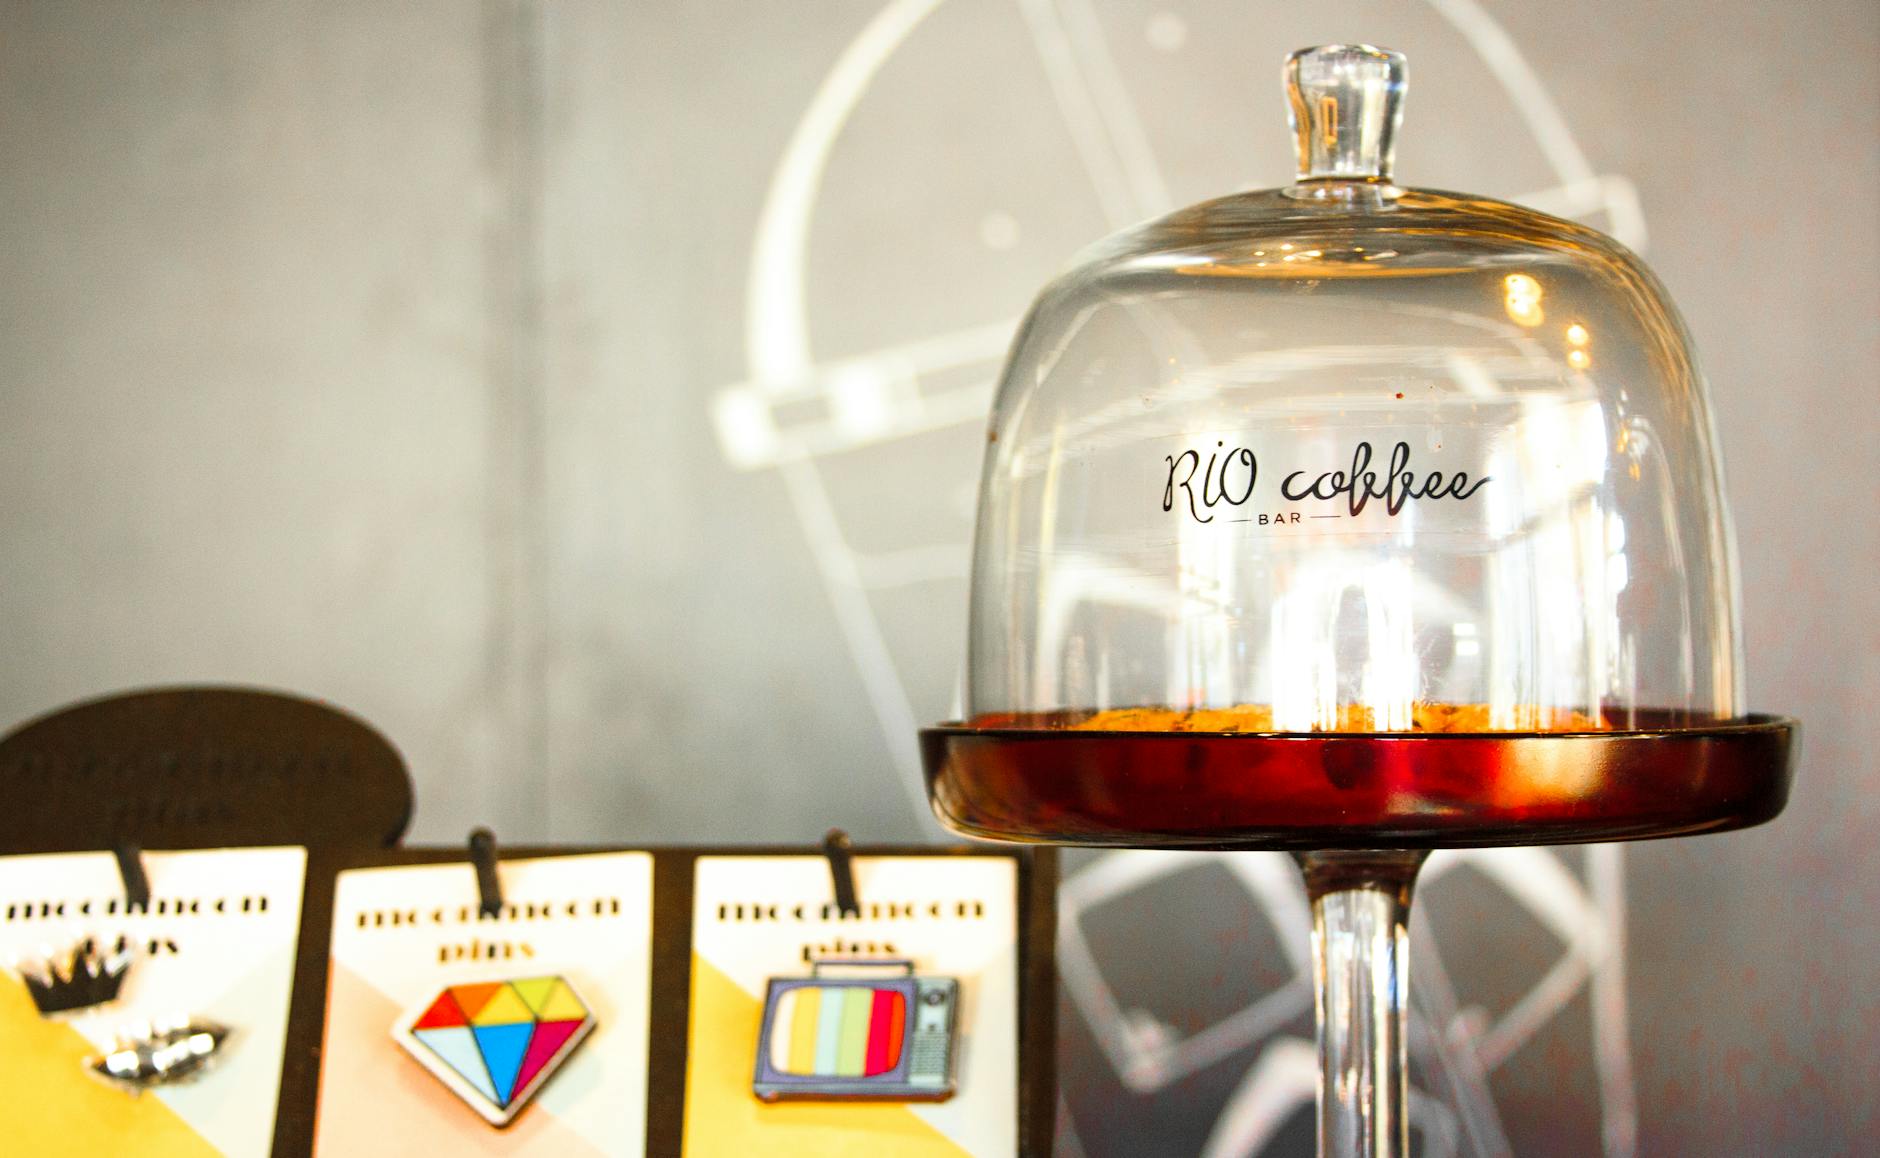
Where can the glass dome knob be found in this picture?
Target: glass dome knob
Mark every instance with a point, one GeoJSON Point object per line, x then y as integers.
{"type": "Point", "coordinates": [1346, 101]}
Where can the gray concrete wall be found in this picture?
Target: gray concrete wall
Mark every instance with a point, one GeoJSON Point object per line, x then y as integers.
{"type": "Point", "coordinates": [370, 351]}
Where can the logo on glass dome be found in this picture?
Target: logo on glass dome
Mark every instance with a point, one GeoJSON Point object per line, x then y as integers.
{"type": "Point", "coordinates": [1227, 478]}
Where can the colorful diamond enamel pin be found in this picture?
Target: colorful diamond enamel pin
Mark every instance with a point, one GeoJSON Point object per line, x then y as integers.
{"type": "Point", "coordinates": [496, 1043]}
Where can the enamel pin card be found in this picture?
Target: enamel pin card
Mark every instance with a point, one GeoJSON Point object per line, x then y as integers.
{"type": "Point", "coordinates": [892, 1029]}
{"type": "Point", "coordinates": [150, 1025]}
{"type": "Point", "coordinates": [452, 1030]}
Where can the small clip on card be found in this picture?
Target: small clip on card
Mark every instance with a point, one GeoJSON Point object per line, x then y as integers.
{"type": "Point", "coordinates": [836, 847]}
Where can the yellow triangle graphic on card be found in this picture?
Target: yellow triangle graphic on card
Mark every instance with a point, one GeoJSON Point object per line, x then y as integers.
{"type": "Point", "coordinates": [535, 990]}
{"type": "Point", "coordinates": [723, 1117]}
{"type": "Point", "coordinates": [52, 1106]}
{"type": "Point", "coordinates": [562, 1005]}
{"type": "Point", "coordinates": [503, 1009]}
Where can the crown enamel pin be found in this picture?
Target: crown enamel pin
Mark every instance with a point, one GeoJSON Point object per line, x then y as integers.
{"type": "Point", "coordinates": [79, 979]}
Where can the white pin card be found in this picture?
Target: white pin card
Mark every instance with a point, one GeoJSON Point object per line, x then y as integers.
{"type": "Point", "coordinates": [522, 1034]}
{"type": "Point", "coordinates": [952, 919]}
{"type": "Point", "coordinates": [217, 941]}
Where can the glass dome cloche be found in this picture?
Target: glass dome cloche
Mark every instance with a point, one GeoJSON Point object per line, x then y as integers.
{"type": "Point", "coordinates": [1347, 461]}
{"type": "Point", "coordinates": [1354, 520]}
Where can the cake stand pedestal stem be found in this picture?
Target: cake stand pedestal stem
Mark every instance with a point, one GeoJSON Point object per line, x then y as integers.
{"type": "Point", "coordinates": [1360, 958]}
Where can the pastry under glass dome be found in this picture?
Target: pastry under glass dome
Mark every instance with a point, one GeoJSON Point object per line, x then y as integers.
{"type": "Point", "coordinates": [1348, 516]}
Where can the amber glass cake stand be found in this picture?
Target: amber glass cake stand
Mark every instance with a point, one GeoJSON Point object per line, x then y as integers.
{"type": "Point", "coordinates": [1359, 812]}
{"type": "Point", "coordinates": [1034, 779]}
{"type": "Point", "coordinates": [1355, 520]}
